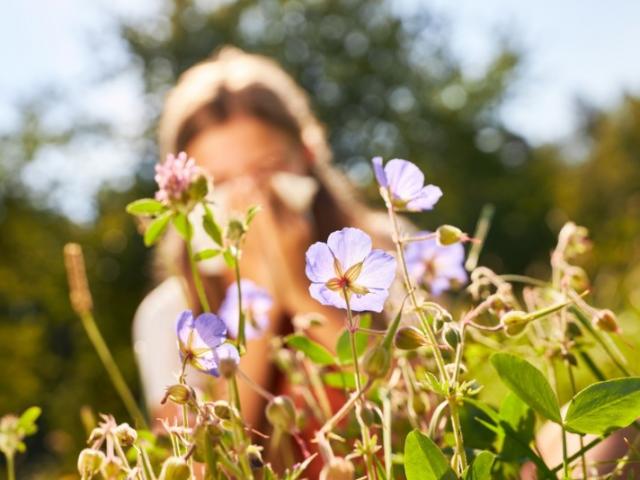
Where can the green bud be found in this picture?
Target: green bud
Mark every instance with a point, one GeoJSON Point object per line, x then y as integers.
{"type": "Point", "coordinates": [222, 410]}
{"type": "Point", "coordinates": [284, 360]}
{"type": "Point", "coordinates": [578, 279]}
{"type": "Point", "coordinates": [125, 434]}
{"type": "Point", "coordinates": [199, 189]}
{"type": "Point", "coordinates": [235, 230]}
{"type": "Point", "coordinates": [281, 413]}
{"type": "Point", "coordinates": [514, 322]}
{"type": "Point", "coordinates": [227, 367]}
{"type": "Point", "coordinates": [111, 468]}
{"type": "Point", "coordinates": [180, 394]}
{"type": "Point", "coordinates": [338, 468]}
{"type": "Point", "coordinates": [175, 468]}
{"type": "Point", "coordinates": [606, 321]}
{"type": "Point", "coordinates": [451, 335]}
{"type": "Point", "coordinates": [89, 462]}
{"type": "Point", "coordinates": [410, 338]}
{"type": "Point", "coordinates": [255, 457]}
{"type": "Point", "coordinates": [376, 362]}
{"type": "Point", "coordinates": [448, 235]}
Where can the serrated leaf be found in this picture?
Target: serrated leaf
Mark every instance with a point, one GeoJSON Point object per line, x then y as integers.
{"type": "Point", "coordinates": [183, 226]}
{"type": "Point", "coordinates": [528, 383]}
{"type": "Point", "coordinates": [206, 254]}
{"type": "Point", "coordinates": [211, 226]}
{"type": "Point", "coordinates": [145, 206]}
{"type": "Point", "coordinates": [156, 228]}
{"type": "Point", "coordinates": [481, 467]}
{"type": "Point", "coordinates": [314, 351]}
{"type": "Point", "coordinates": [604, 406]}
{"type": "Point", "coordinates": [343, 346]}
{"type": "Point", "coordinates": [423, 460]}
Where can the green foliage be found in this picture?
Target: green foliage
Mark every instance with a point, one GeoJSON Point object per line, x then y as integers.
{"type": "Point", "coordinates": [313, 350]}
{"type": "Point", "coordinates": [528, 383]}
{"type": "Point", "coordinates": [156, 228]}
{"type": "Point", "coordinates": [481, 467]}
{"type": "Point", "coordinates": [604, 406]}
{"type": "Point", "coordinates": [423, 460]}
{"type": "Point", "coordinates": [145, 206]}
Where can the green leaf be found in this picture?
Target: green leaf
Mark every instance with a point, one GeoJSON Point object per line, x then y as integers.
{"type": "Point", "coordinates": [145, 206]}
{"type": "Point", "coordinates": [229, 259]}
{"type": "Point", "coordinates": [521, 418]}
{"type": "Point", "coordinates": [251, 213]}
{"type": "Point", "coordinates": [183, 226]}
{"type": "Point", "coordinates": [423, 460]}
{"type": "Point", "coordinates": [604, 406]}
{"type": "Point", "coordinates": [341, 380]}
{"type": "Point", "coordinates": [156, 228]}
{"type": "Point", "coordinates": [27, 421]}
{"type": "Point", "coordinates": [211, 226]}
{"type": "Point", "coordinates": [206, 254]}
{"type": "Point", "coordinates": [343, 347]}
{"type": "Point", "coordinates": [481, 467]}
{"type": "Point", "coordinates": [314, 351]}
{"type": "Point", "coordinates": [528, 383]}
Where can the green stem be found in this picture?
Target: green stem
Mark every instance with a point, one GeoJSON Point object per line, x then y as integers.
{"type": "Point", "coordinates": [565, 461]}
{"type": "Point", "coordinates": [242, 342]}
{"type": "Point", "coordinates": [118, 381]}
{"type": "Point", "coordinates": [582, 451]}
{"type": "Point", "coordinates": [197, 280]}
{"type": "Point", "coordinates": [11, 472]}
{"type": "Point", "coordinates": [572, 380]}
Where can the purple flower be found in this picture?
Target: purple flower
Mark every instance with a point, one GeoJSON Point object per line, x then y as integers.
{"type": "Point", "coordinates": [201, 341]}
{"type": "Point", "coordinates": [405, 185]}
{"type": "Point", "coordinates": [347, 265]}
{"type": "Point", "coordinates": [256, 303]}
{"type": "Point", "coordinates": [436, 266]}
{"type": "Point", "coordinates": [174, 178]}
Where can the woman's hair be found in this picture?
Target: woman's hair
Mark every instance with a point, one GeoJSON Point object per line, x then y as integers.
{"type": "Point", "coordinates": [235, 82]}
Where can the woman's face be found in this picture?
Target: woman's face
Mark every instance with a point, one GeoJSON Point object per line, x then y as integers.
{"type": "Point", "coordinates": [246, 146]}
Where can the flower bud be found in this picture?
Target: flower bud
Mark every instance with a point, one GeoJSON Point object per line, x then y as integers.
{"type": "Point", "coordinates": [111, 468]}
{"type": "Point", "coordinates": [255, 457]}
{"type": "Point", "coordinates": [284, 359]}
{"type": "Point", "coordinates": [451, 335]}
{"type": "Point", "coordinates": [180, 394]}
{"type": "Point", "coordinates": [89, 462]}
{"type": "Point", "coordinates": [338, 468]}
{"type": "Point", "coordinates": [175, 468]}
{"type": "Point", "coordinates": [125, 434]}
{"type": "Point", "coordinates": [514, 322]}
{"type": "Point", "coordinates": [448, 235]}
{"type": "Point", "coordinates": [96, 435]}
{"type": "Point", "coordinates": [222, 410]}
{"type": "Point", "coordinates": [578, 279]}
{"type": "Point", "coordinates": [606, 321]}
{"type": "Point", "coordinates": [409, 338]}
{"type": "Point", "coordinates": [281, 413]}
{"type": "Point", "coordinates": [376, 362]}
{"type": "Point", "coordinates": [227, 367]}
{"type": "Point", "coordinates": [235, 230]}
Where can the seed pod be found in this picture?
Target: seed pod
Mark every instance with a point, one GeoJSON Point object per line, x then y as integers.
{"type": "Point", "coordinates": [514, 322]}
{"type": "Point", "coordinates": [180, 394]}
{"type": "Point", "coordinates": [451, 335]}
{"type": "Point", "coordinates": [338, 468]}
{"type": "Point", "coordinates": [376, 362]}
{"type": "Point", "coordinates": [606, 321]}
{"type": "Point", "coordinates": [111, 468]}
{"type": "Point", "coordinates": [235, 230]}
{"type": "Point", "coordinates": [409, 338]}
{"type": "Point", "coordinates": [227, 367]}
{"type": "Point", "coordinates": [255, 457]}
{"type": "Point", "coordinates": [222, 410]}
{"type": "Point", "coordinates": [125, 434]}
{"type": "Point", "coordinates": [175, 468]}
{"type": "Point", "coordinates": [281, 413]}
{"type": "Point", "coordinates": [89, 462]}
{"type": "Point", "coordinates": [448, 235]}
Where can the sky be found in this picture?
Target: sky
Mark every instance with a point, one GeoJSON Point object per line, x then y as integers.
{"type": "Point", "coordinates": [573, 49]}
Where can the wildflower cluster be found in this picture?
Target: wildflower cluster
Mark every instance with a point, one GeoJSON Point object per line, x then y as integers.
{"type": "Point", "coordinates": [412, 406]}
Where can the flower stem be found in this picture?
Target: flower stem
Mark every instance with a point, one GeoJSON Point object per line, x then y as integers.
{"type": "Point", "coordinates": [242, 342]}
{"type": "Point", "coordinates": [460, 456]}
{"type": "Point", "coordinates": [11, 472]}
{"type": "Point", "coordinates": [197, 280]}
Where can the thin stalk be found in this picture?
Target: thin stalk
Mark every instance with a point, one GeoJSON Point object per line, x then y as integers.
{"type": "Point", "coordinates": [565, 461]}
{"type": "Point", "coordinates": [583, 460]}
{"type": "Point", "coordinates": [11, 471]}
{"type": "Point", "coordinates": [453, 410]}
{"type": "Point", "coordinates": [582, 451]}
{"type": "Point", "coordinates": [118, 381]}
{"type": "Point", "coordinates": [197, 280]}
{"type": "Point", "coordinates": [242, 342]}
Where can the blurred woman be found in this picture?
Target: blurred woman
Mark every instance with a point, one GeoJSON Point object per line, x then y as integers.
{"type": "Point", "coordinates": [250, 126]}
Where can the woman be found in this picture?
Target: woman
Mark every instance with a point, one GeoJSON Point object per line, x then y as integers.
{"type": "Point", "coordinates": [248, 124]}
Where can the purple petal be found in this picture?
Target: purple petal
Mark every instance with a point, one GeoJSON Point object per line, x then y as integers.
{"type": "Point", "coordinates": [206, 362]}
{"type": "Point", "coordinates": [256, 302]}
{"type": "Point", "coordinates": [378, 270]}
{"type": "Point", "coordinates": [439, 285]}
{"type": "Point", "coordinates": [211, 329]}
{"type": "Point", "coordinates": [372, 301]}
{"type": "Point", "coordinates": [378, 170]}
{"type": "Point", "coordinates": [227, 351]}
{"type": "Point", "coordinates": [319, 263]}
{"type": "Point", "coordinates": [425, 199]}
{"type": "Point", "coordinates": [184, 325]}
{"type": "Point", "coordinates": [405, 179]}
{"type": "Point", "coordinates": [322, 294]}
{"type": "Point", "coordinates": [349, 246]}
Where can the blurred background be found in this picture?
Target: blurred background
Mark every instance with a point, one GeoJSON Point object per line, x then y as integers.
{"type": "Point", "coordinates": [532, 107]}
